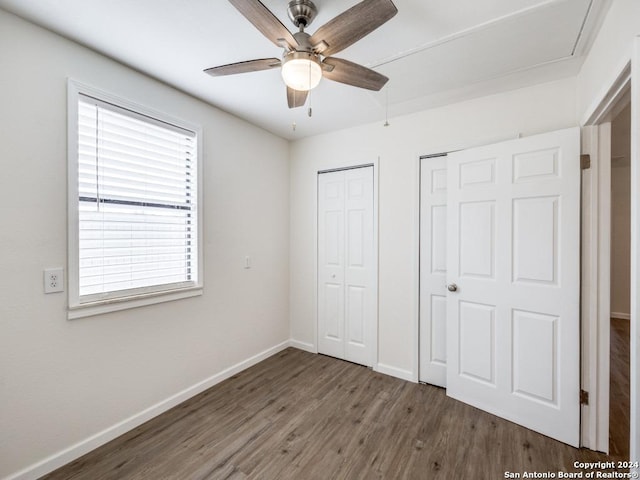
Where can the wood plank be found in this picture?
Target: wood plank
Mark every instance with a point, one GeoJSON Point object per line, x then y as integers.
{"type": "Point", "coordinates": [620, 388]}
{"type": "Point", "coordinates": [298, 415]}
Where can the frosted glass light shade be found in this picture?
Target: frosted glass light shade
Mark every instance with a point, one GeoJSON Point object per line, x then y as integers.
{"type": "Point", "coordinates": [301, 71]}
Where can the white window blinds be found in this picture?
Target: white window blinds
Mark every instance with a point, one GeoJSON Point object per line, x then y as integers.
{"type": "Point", "coordinates": [137, 203]}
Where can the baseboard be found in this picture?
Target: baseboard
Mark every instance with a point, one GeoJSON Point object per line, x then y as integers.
{"type": "Point", "coordinates": [307, 347]}
{"type": "Point", "coordinates": [622, 316]}
{"type": "Point", "coordinates": [85, 446]}
{"type": "Point", "coordinates": [380, 367]}
{"type": "Point", "coordinates": [395, 372]}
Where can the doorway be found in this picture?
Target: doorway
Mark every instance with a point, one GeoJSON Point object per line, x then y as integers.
{"type": "Point", "coordinates": [606, 195]}
{"type": "Point", "coordinates": [619, 389]}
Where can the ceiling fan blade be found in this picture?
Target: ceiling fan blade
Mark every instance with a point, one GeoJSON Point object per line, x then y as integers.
{"type": "Point", "coordinates": [344, 71]}
{"type": "Point", "coordinates": [296, 98]}
{"type": "Point", "coordinates": [244, 67]}
{"type": "Point", "coordinates": [265, 21]}
{"type": "Point", "coordinates": [351, 25]}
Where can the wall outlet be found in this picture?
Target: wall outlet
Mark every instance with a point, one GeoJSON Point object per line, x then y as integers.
{"type": "Point", "coordinates": [53, 280]}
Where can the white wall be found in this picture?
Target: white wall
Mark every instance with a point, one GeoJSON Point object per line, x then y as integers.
{"type": "Point", "coordinates": [621, 214]}
{"type": "Point", "coordinates": [481, 121]}
{"type": "Point", "coordinates": [63, 381]}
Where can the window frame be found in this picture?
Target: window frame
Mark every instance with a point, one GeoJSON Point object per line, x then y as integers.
{"type": "Point", "coordinates": [78, 308]}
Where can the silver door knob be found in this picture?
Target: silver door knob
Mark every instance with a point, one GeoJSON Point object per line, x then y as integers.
{"type": "Point", "coordinates": [452, 287]}
{"type": "Point", "coordinates": [333, 275]}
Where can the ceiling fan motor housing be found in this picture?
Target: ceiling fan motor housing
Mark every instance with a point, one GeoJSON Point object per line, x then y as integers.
{"type": "Point", "coordinates": [304, 42]}
{"type": "Point", "coordinates": [302, 12]}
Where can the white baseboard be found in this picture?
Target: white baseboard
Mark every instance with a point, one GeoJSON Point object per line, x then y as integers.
{"type": "Point", "coordinates": [622, 316]}
{"type": "Point", "coordinates": [395, 372]}
{"type": "Point", "coordinates": [380, 367]}
{"type": "Point", "coordinates": [73, 452]}
{"type": "Point", "coordinates": [307, 347]}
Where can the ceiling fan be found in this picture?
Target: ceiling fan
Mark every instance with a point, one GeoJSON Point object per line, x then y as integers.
{"type": "Point", "coordinates": [307, 58]}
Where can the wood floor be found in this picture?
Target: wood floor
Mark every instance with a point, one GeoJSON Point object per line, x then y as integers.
{"type": "Point", "coordinates": [302, 416]}
{"type": "Point", "coordinates": [619, 389]}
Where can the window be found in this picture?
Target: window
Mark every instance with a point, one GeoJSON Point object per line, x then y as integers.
{"type": "Point", "coordinates": [133, 202]}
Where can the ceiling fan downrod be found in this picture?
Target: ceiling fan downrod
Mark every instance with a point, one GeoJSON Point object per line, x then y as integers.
{"type": "Point", "coordinates": [302, 13]}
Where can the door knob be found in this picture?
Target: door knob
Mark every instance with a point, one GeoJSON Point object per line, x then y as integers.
{"type": "Point", "coordinates": [333, 275]}
{"type": "Point", "coordinates": [452, 287]}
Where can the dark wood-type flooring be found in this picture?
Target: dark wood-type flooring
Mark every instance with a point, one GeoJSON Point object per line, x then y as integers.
{"type": "Point", "coordinates": [619, 389]}
{"type": "Point", "coordinates": [302, 416]}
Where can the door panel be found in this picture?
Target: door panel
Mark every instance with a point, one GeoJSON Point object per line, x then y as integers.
{"type": "Point", "coordinates": [538, 165]}
{"type": "Point", "coordinates": [438, 234]}
{"type": "Point", "coordinates": [477, 239]}
{"type": "Point", "coordinates": [332, 221]}
{"type": "Point", "coordinates": [513, 250]}
{"type": "Point", "coordinates": [477, 172]}
{"type": "Point", "coordinates": [535, 355]}
{"type": "Point", "coordinates": [535, 240]}
{"type": "Point", "coordinates": [332, 306]}
{"type": "Point", "coordinates": [438, 353]}
{"type": "Point", "coordinates": [433, 269]}
{"type": "Point", "coordinates": [346, 270]}
{"type": "Point", "coordinates": [477, 344]}
{"type": "Point", "coordinates": [356, 308]}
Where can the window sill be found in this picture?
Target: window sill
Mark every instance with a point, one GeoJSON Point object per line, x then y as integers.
{"type": "Point", "coordinates": [115, 305]}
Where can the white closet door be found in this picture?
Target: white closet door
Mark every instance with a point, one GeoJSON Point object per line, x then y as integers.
{"type": "Point", "coordinates": [360, 296]}
{"type": "Point", "coordinates": [433, 270]}
{"type": "Point", "coordinates": [346, 270]}
{"type": "Point", "coordinates": [331, 264]}
{"type": "Point", "coordinates": [513, 252]}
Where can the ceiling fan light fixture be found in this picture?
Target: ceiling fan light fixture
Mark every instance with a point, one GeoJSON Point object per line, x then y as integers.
{"type": "Point", "coordinates": [301, 71]}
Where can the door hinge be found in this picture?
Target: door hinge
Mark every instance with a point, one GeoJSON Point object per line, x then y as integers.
{"type": "Point", "coordinates": [584, 397]}
{"type": "Point", "coordinates": [585, 162]}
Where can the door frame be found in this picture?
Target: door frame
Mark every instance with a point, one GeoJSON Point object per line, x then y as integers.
{"type": "Point", "coordinates": [596, 255]}
{"type": "Point", "coordinates": [634, 437]}
{"type": "Point", "coordinates": [595, 288]}
{"type": "Point", "coordinates": [374, 325]}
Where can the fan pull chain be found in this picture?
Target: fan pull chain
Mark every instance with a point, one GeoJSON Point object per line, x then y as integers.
{"type": "Point", "coordinates": [386, 109]}
{"type": "Point", "coordinates": [310, 111]}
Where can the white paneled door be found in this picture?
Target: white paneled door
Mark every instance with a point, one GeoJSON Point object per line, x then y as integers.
{"type": "Point", "coordinates": [346, 270]}
{"type": "Point", "coordinates": [433, 270]}
{"type": "Point", "coordinates": [513, 246]}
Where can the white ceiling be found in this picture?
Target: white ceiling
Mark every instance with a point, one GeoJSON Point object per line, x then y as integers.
{"type": "Point", "coordinates": [434, 51]}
